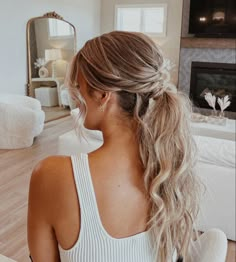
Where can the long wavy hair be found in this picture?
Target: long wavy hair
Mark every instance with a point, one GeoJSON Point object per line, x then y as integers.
{"type": "Point", "coordinates": [131, 65]}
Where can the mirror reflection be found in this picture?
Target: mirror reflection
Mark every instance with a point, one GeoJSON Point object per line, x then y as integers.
{"type": "Point", "coordinates": [51, 43]}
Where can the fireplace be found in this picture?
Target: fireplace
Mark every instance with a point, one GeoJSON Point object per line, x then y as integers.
{"type": "Point", "coordinates": [217, 78]}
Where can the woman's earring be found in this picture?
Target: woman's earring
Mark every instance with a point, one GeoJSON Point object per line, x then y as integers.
{"type": "Point", "coordinates": [102, 107]}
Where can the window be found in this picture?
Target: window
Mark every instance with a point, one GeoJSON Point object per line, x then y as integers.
{"type": "Point", "coordinates": [149, 19]}
{"type": "Point", "coordinates": [58, 28]}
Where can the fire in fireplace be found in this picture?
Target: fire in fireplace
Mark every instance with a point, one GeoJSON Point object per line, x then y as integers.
{"type": "Point", "coordinates": [217, 78]}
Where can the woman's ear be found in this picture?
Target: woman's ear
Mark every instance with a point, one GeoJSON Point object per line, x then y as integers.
{"type": "Point", "coordinates": [102, 98]}
{"type": "Point", "coordinates": [105, 97]}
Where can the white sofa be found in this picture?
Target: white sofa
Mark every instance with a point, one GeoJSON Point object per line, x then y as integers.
{"type": "Point", "coordinates": [21, 119]}
{"type": "Point", "coordinates": [215, 167]}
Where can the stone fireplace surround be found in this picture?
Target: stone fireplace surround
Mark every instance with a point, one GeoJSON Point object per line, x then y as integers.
{"type": "Point", "coordinates": [215, 50]}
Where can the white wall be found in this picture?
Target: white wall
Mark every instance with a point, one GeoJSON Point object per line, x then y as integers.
{"type": "Point", "coordinates": [169, 44]}
{"type": "Point", "coordinates": [14, 14]}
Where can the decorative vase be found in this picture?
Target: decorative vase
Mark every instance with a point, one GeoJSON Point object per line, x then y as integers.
{"type": "Point", "coordinates": [222, 114]}
{"type": "Point", "coordinates": [217, 119]}
{"type": "Point", "coordinates": [222, 118]}
{"type": "Point", "coordinates": [43, 72]}
{"type": "Point", "coordinates": [213, 113]}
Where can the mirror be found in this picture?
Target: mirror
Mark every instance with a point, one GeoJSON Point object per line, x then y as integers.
{"type": "Point", "coordinates": [51, 44]}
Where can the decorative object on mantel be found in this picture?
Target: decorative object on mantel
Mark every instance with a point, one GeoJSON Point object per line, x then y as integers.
{"type": "Point", "coordinates": [211, 100]}
{"type": "Point", "coordinates": [40, 63]}
{"type": "Point", "coordinates": [223, 102]}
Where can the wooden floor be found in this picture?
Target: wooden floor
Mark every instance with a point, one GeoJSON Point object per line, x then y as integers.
{"type": "Point", "coordinates": [15, 171]}
{"type": "Point", "coordinates": [55, 112]}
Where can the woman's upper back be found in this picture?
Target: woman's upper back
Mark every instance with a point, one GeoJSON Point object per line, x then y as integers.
{"type": "Point", "coordinates": [106, 222]}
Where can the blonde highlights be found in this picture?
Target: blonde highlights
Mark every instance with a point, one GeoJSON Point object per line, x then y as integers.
{"type": "Point", "coordinates": [130, 64]}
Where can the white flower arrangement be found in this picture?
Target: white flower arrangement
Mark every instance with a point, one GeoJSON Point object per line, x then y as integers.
{"type": "Point", "coordinates": [40, 62]}
{"type": "Point", "coordinates": [211, 100]}
{"type": "Point", "coordinates": [222, 102]}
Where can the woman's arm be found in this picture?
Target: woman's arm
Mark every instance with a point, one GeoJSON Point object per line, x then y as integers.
{"type": "Point", "coordinates": [42, 241]}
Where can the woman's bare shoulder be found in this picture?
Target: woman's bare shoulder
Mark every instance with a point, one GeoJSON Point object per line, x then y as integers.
{"type": "Point", "coordinates": [52, 165]}
{"type": "Point", "coordinates": [51, 174]}
{"type": "Point", "coordinates": [50, 185]}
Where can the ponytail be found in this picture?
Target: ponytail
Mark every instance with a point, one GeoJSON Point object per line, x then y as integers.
{"type": "Point", "coordinates": [167, 151]}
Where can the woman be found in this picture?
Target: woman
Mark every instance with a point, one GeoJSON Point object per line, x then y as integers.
{"type": "Point", "coordinates": [134, 198]}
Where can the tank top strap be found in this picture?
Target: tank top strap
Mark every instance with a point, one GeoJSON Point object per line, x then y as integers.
{"type": "Point", "coordinates": [85, 191]}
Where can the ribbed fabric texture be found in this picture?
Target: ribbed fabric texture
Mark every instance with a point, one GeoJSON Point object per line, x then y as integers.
{"type": "Point", "coordinates": [94, 243]}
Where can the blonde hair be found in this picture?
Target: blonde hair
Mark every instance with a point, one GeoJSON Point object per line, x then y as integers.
{"type": "Point", "coordinates": [130, 64]}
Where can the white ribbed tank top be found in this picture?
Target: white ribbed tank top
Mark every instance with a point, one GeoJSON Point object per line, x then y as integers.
{"type": "Point", "coordinates": [94, 244]}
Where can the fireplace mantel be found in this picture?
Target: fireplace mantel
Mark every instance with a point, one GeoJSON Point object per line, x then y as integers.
{"type": "Point", "coordinates": [194, 42]}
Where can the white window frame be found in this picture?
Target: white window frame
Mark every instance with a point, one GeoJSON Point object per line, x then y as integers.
{"type": "Point", "coordinates": [164, 5]}
{"type": "Point", "coordinates": [60, 36]}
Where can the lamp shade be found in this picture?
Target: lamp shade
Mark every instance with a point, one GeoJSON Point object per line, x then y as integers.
{"type": "Point", "coordinates": [52, 54]}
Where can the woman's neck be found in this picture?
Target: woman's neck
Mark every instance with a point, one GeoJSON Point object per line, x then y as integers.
{"type": "Point", "coordinates": [121, 136]}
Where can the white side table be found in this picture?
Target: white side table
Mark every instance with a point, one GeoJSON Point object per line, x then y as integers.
{"type": "Point", "coordinates": [211, 130]}
{"type": "Point", "coordinates": [57, 80]}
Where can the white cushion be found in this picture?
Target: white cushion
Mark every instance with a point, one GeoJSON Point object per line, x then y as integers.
{"type": "Point", "coordinates": [210, 246]}
{"type": "Point", "coordinates": [21, 120]}
{"type": "Point", "coordinates": [216, 169]}
{"type": "Point", "coordinates": [220, 152]}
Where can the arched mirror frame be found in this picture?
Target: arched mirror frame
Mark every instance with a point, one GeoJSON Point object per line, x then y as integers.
{"type": "Point", "coordinates": [53, 15]}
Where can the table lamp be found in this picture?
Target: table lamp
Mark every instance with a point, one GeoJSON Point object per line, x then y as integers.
{"type": "Point", "coordinates": [53, 55]}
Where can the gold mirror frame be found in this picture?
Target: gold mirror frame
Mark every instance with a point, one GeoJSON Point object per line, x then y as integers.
{"type": "Point", "coordinates": [29, 68]}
